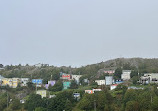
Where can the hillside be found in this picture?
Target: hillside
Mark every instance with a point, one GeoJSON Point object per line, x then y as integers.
{"type": "Point", "coordinates": [144, 65]}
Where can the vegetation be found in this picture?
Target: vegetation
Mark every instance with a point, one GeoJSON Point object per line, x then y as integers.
{"type": "Point", "coordinates": [120, 99]}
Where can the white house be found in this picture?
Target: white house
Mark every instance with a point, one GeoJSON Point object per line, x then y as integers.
{"type": "Point", "coordinates": [95, 90]}
{"type": "Point", "coordinates": [126, 74]}
{"type": "Point", "coordinates": [113, 86]}
{"type": "Point", "coordinates": [108, 80]}
{"type": "Point", "coordinates": [24, 81]}
{"type": "Point", "coordinates": [100, 82]}
{"type": "Point", "coordinates": [76, 78]}
{"type": "Point", "coordinates": [149, 78]}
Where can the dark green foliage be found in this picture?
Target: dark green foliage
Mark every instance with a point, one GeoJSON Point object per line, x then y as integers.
{"type": "Point", "coordinates": [73, 85]}
{"type": "Point", "coordinates": [134, 73]}
{"type": "Point", "coordinates": [40, 109]}
{"type": "Point", "coordinates": [154, 104]}
{"type": "Point", "coordinates": [15, 105]}
{"type": "Point", "coordinates": [33, 102]}
{"type": "Point", "coordinates": [135, 79]}
{"type": "Point", "coordinates": [118, 73]}
{"type": "Point", "coordinates": [103, 100]}
{"type": "Point", "coordinates": [61, 102]}
{"type": "Point", "coordinates": [3, 101]}
{"type": "Point", "coordinates": [132, 106]}
{"type": "Point", "coordinates": [57, 87]}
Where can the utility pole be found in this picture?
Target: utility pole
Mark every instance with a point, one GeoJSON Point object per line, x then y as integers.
{"type": "Point", "coordinates": [95, 105]}
{"type": "Point", "coordinates": [7, 100]}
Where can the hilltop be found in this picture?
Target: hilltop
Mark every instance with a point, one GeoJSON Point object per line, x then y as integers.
{"type": "Point", "coordinates": [144, 65]}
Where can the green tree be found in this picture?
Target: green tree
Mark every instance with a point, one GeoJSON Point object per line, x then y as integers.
{"type": "Point", "coordinates": [130, 95]}
{"type": "Point", "coordinates": [57, 87]}
{"type": "Point", "coordinates": [154, 104]}
{"type": "Point", "coordinates": [33, 101]}
{"type": "Point", "coordinates": [73, 85]}
{"type": "Point", "coordinates": [3, 103]}
{"type": "Point", "coordinates": [87, 102]}
{"type": "Point", "coordinates": [118, 73]}
{"type": "Point", "coordinates": [15, 105]}
{"type": "Point", "coordinates": [68, 105]}
{"type": "Point", "coordinates": [132, 106]}
{"type": "Point", "coordinates": [135, 79]}
{"type": "Point", "coordinates": [40, 109]}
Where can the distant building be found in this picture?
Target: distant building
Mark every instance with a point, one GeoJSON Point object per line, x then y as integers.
{"type": "Point", "coordinates": [66, 84]}
{"type": "Point", "coordinates": [1, 77]}
{"type": "Point", "coordinates": [109, 71]}
{"type": "Point", "coordinates": [118, 81]}
{"type": "Point", "coordinates": [149, 78]}
{"type": "Point", "coordinates": [100, 82]}
{"type": "Point", "coordinates": [86, 80]}
{"type": "Point", "coordinates": [11, 82]}
{"type": "Point", "coordinates": [65, 76]}
{"type": "Point", "coordinates": [133, 87]}
{"type": "Point", "coordinates": [50, 83]}
{"type": "Point", "coordinates": [126, 74]}
{"type": "Point", "coordinates": [22, 101]}
{"type": "Point", "coordinates": [89, 91]}
{"type": "Point", "coordinates": [1, 68]}
{"type": "Point", "coordinates": [38, 82]}
{"type": "Point", "coordinates": [113, 86]}
{"type": "Point", "coordinates": [24, 81]}
{"type": "Point", "coordinates": [40, 65]}
{"type": "Point", "coordinates": [43, 93]}
{"type": "Point", "coordinates": [76, 78]}
{"type": "Point", "coordinates": [76, 95]}
{"type": "Point", "coordinates": [96, 90]}
{"type": "Point", "coordinates": [108, 80]}
{"type": "Point", "coordinates": [52, 96]}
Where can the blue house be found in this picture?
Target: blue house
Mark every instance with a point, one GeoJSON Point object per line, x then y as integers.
{"type": "Point", "coordinates": [37, 81]}
{"type": "Point", "coordinates": [66, 85]}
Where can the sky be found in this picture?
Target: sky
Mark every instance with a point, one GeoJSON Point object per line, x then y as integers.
{"type": "Point", "coordinates": [77, 32]}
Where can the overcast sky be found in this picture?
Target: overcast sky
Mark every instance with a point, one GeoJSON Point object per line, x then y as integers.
{"type": "Point", "coordinates": [77, 32]}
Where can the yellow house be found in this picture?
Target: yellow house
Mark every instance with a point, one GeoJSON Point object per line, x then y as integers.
{"type": "Point", "coordinates": [11, 82]}
{"type": "Point", "coordinates": [43, 93]}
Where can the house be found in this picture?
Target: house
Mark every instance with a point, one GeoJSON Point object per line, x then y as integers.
{"type": "Point", "coordinates": [113, 86]}
{"type": "Point", "coordinates": [40, 65]}
{"type": "Point", "coordinates": [76, 78]}
{"type": "Point", "coordinates": [38, 82]}
{"type": "Point", "coordinates": [24, 81]}
{"type": "Point", "coordinates": [43, 93]}
{"type": "Point", "coordinates": [89, 91]}
{"type": "Point", "coordinates": [50, 83]}
{"type": "Point", "coordinates": [96, 90]}
{"type": "Point", "coordinates": [100, 82]}
{"type": "Point", "coordinates": [109, 71]}
{"type": "Point", "coordinates": [11, 82]}
{"type": "Point", "coordinates": [66, 84]}
{"type": "Point", "coordinates": [126, 74]}
{"type": "Point", "coordinates": [134, 87]}
{"type": "Point", "coordinates": [86, 80]}
{"type": "Point", "coordinates": [65, 76]}
{"type": "Point", "coordinates": [118, 81]}
{"type": "Point", "coordinates": [22, 101]}
{"type": "Point", "coordinates": [108, 80]}
{"type": "Point", "coordinates": [76, 95]}
{"type": "Point", "coordinates": [1, 68]}
{"type": "Point", "coordinates": [1, 77]}
{"type": "Point", "coordinates": [149, 78]}
{"type": "Point", "coordinates": [52, 96]}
